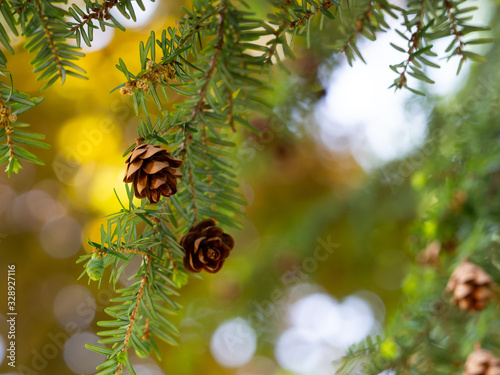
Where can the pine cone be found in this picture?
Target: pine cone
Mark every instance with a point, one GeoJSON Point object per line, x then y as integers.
{"type": "Point", "coordinates": [471, 286]}
{"type": "Point", "coordinates": [153, 172]}
{"type": "Point", "coordinates": [482, 362]}
{"type": "Point", "coordinates": [458, 200]}
{"type": "Point", "coordinates": [206, 247]}
{"type": "Point", "coordinates": [430, 256]}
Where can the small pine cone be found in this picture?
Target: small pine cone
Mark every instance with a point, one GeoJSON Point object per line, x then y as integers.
{"type": "Point", "coordinates": [153, 172]}
{"type": "Point", "coordinates": [482, 362]}
{"type": "Point", "coordinates": [167, 72]}
{"type": "Point", "coordinates": [126, 91]}
{"type": "Point", "coordinates": [458, 200]}
{"type": "Point", "coordinates": [171, 71]}
{"type": "Point", "coordinates": [471, 286]}
{"type": "Point", "coordinates": [430, 256]}
{"type": "Point", "coordinates": [142, 84]}
{"type": "Point", "coordinates": [206, 247]}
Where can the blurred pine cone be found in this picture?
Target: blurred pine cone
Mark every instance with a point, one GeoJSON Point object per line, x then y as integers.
{"type": "Point", "coordinates": [430, 256]}
{"type": "Point", "coordinates": [206, 247]}
{"type": "Point", "coordinates": [153, 171]}
{"type": "Point", "coordinates": [471, 286]}
{"type": "Point", "coordinates": [458, 200]}
{"type": "Point", "coordinates": [482, 362]}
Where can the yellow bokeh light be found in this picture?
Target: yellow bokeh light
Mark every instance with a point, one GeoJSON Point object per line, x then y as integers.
{"type": "Point", "coordinates": [89, 138]}
{"type": "Point", "coordinates": [101, 193]}
{"type": "Point", "coordinates": [92, 231]}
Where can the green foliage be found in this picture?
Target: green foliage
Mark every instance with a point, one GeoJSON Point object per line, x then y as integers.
{"type": "Point", "coordinates": [43, 24]}
{"type": "Point", "coordinates": [13, 138]}
{"type": "Point", "coordinates": [425, 22]}
{"type": "Point", "coordinates": [218, 60]}
{"type": "Point", "coordinates": [52, 37]}
{"type": "Point", "coordinates": [457, 185]}
{"type": "Point", "coordinates": [97, 15]}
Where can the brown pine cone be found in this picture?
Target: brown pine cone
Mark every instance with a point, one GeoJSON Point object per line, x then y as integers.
{"type": "Point", "coordinates": [153, 171]}
{"type": "Point", "coordinates": [482, 362]}
{"type": "Point", "coordinates": [430, 256]}
{"type": "Point", "coordinates": [206, 247]}
{"type": "Point", "coordinates": [471, 286]}
{"type": "Point", "coordinates": [458, 200]}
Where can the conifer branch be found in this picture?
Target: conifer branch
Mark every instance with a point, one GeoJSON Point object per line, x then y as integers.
{"type": "Point", "coordinates": [221, 15]}
{"type": "Point", "coordinates": [48, 33]}
{"type": "Point", "coordinates": [101, 13]}
{"type": "Point", "coordinates": [187, 38]}
{"type": "Point", "coordinates": [132, 251]}
{"type": "Point", "coordinates": [171, 259]}
{"type": "Point", "coordinates": [133, 315]}
{"type": "Point", "coordinates": [12, 103]}
{"type": "Point", "coordinates": [5, 119]}
{"type": "Point", "coordinates": [360, 23]}
{"type": "Point", "coordinates": [288, 26]}
{"type": "Point", "coordinates": [279, 31]}
{"type": "Point", "coordinates": [302, 20]}
{"type": "Point", "coordinates": [207, 61]}
{"type": "Point", "coordinates": [448, 5]}
{"type": "Point", "coordinates": [193, 191]}
{"type": "Point", "coordinates": [140, 293]}
{"type": "Point", "coordinates": [415, 40]}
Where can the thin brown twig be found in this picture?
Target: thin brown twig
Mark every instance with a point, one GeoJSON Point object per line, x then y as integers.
{"type": "Point", "coordinates": [171, 259]}
{"type": "Point", "coordinates": [157, 221]}
{"type": "Point", "coordinates": [203, 92]}
{"type": "Point", "coordinates": [144, 280]}
{"type": "Point", "coordinates": [21, 8]}
{"type": "Point", "coordinates": [281, 29]}
{"type": "Point", "coordinates": [133, 319]}
{"type": "Point", "coordinates": [133, 251]}
{"type": "Point", "coordinates": [6, 117]}
{"type": "Point", "coordinates": [454, 27]}
{"type": "Point", "coordinates": [97, 13]}
{"type": "Point", "coordinates": [8, 131]}
{"type": "Point", "coordinates": [284, 26]}
{"type": "Point", "coordinates": [196, 27]}
{"type": "Point", "coordinates": [213, 62]}
{"type": "Point", "coordinates": [414, 44]}
{"type": "Point", "coordinates": [145, 336]}
{"type": "Point", "coordinates": [160, 72]}
{"type": "Point", "coordinates": [50, 38]}
{"type": "Point", "coordinates": [360, 22]}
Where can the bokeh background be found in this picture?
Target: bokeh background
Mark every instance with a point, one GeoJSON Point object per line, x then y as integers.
{"type": "Point", "coordinates": [321, 260]}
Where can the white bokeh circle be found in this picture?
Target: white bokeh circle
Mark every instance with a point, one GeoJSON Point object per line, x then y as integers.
{"type": "Point", "coordinates": [233, 343]}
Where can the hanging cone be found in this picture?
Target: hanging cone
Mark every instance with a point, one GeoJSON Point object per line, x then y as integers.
{"type": "Point", "coordinates": [430, 256]}
{"type": "Point", "coordinates": [206, 247]}
{"type": "Point", "coordinates": [458, 200]}
{"type": "Point", "coordinates": [471, 286]}
{"type": "Point", "coordinates": [482, 362]}
{"type": "Point", "coordinates": [153, 172]}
